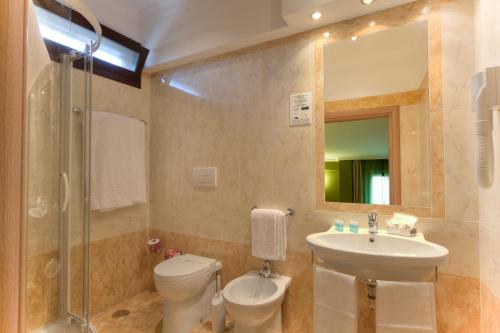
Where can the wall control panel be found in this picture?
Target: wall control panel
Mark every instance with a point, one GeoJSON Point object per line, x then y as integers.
{"type": "Point", "coordinates": [301, 109]}
{"type": "Point", "coordinates": [205, 177]}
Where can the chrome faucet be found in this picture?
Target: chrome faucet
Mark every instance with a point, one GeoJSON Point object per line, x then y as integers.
{"type": "Point", "coordinates": [372, 225]}
{"type": "Point", "coordinates": [265, 271]}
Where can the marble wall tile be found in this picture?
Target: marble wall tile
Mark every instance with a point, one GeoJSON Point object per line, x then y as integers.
{"type": "Point", "coordinates": [487, 34]}
{"type": "Point", "coordinates": [461, 239]}
{"type": "Point", "coordinates": [42, 294]}
{"type": "Point", "coordinates": [490, 311]}
{"type": "Point", "coordinates": [241, 126]}
{"type": "Point", "coordinates": [106, 288]}
{"type": "Point", "coordinates": [458, 36]}
{"type": "Point", "coordinates": [457, 304]}
{"type": "Point", "coordinates": [119, 270]}
{"type": "Point", "coordinates": [226, 125]}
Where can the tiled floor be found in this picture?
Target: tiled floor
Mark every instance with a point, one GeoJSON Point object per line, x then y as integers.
{"type": "Point", "coordinates": [145, 316]}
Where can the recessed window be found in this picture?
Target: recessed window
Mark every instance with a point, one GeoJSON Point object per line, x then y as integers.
{"type": "Point", "coordinates": [380, 190]}
{"type": "Point", "coordinates": [118, 58]}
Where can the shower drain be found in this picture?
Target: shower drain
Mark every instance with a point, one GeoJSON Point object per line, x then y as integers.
{"type": "Point", "coordinates": [120, 314]}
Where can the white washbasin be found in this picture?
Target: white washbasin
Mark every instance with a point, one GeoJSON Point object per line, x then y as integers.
{"type": "Point", "coordinates": [390, 257]}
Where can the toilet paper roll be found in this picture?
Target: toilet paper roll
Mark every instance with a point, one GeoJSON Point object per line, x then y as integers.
{"type": "Point", "coordinates": [154, 245]}
{"type": "Point", "coordinates": [218, 313]}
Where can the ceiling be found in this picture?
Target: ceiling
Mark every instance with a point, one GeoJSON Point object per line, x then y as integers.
{"type": "Point", "coordinates": [357, 140]}
{"type": "Point", "coordinates": [182, 31]}
{"type": "Point", "coordinates": [376, 64]}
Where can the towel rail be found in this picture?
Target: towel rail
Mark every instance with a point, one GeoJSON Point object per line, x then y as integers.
{"type": "Point", "coordinates": [77, 109]}
{"type": "Point", "coordinates": [371, 283]}
{"type": "Point", "coordinates": [288, 212]}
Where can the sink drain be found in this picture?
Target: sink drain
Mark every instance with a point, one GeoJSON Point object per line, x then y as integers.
{"type": "Point", "coordinates": [120, 314]}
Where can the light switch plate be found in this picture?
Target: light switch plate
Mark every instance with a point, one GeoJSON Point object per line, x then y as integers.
{"type": "Point", "coordinates": [204, 177]}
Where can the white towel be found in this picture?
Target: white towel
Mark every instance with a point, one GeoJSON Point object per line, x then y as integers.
{"type": "Point", "coordinates": [405, 307]}
{"type": "Point", "coordinates": [117, 161]}
{"type": "Point", "coordinates": [335, 302]}
{"type": "Point", "coordinates": [268, 234]}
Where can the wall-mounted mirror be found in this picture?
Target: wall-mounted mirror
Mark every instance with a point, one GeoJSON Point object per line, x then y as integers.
{"type": "Point", "coordinates": [377, 124]}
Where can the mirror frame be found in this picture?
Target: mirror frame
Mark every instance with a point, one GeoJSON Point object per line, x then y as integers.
{"type": "Point", "coordinates": [387, 19]}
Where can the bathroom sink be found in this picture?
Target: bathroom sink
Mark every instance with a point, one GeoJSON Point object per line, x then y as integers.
{"type": "Point", "coordinates": [389, 257]}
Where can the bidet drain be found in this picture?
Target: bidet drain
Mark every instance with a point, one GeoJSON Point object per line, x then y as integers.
{"type": "Point", "coordinates": [120, 314]}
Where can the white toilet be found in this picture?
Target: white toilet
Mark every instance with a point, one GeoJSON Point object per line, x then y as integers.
{"type": "Point", "coordinates": [255, 302]}
{"type": "Point", "coordinates": [187, 284]}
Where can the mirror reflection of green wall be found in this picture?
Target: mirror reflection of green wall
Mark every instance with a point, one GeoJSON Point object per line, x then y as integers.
{"type": "Point", "coordinates": [357, 165]}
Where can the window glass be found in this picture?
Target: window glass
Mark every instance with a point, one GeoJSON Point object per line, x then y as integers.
{"type": "Point", "coordinates": [62, 31]}
{"type": "Point", "coordinates": [380, 190]}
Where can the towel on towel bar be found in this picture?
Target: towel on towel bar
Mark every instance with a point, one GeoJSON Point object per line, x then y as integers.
{"type": "Point", "coordinates": [118, 162]}
{"type": "Point", "coordinates": [268, 234]}
{"type": "Point", "coordinates": [405, 307]}
{"type": "Point", "coordinates": [335, 302]}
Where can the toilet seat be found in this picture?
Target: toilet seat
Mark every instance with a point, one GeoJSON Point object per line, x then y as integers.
{"type": "Point", "coordinates": [183, 268]}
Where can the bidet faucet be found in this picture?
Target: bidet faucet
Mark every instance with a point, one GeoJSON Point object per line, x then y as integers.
{"type": "Point", "coordinates": [265, 271]}
{"type": "Point", "coordinates": [372, 225]}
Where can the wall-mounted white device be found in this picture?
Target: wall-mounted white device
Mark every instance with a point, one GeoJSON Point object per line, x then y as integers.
{"type": "Point", "coordinates": [485, 100]}
{"type": "Point", "coordinates": [205, 177]}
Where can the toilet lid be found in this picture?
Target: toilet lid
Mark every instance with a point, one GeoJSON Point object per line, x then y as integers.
{"type": "Point", "coordinates": [183, 267]}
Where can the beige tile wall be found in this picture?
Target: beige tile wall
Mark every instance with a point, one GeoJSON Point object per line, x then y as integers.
{"type": "Point", "coordinates": [232, 112]}
{"type": "Point", "coordinates": [238, 121]}
{"type": "Point", "coordinates": [487, 49]}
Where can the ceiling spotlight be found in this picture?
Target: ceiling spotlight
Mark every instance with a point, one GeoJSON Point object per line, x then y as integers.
{"type": "Point", "coordinates": [354, 38]}
{"type": "Point", "coordinates": [367, 2]}
{"type": "Point", "coordinates": [372, 23]}
{"type": "Point", "coordinates": [316, 15]}
{"type": "Point", "coordinates": [326, 34]}
{"type": "Point", "coordinates": [426, 10]}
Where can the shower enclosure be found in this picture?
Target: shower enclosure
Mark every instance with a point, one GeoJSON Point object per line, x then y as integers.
{"type": "Point", "coordinates": [58, 184]}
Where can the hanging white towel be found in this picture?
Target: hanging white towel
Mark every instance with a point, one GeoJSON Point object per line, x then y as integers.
{"type": "Point", "coordinates": [117, 161]}
{"type": "Point", "coordinates": [268, 234]}
{"type": "Point", "coordinates": [405, 307]}
{"type": "Point", "coordinates": [335, 302]}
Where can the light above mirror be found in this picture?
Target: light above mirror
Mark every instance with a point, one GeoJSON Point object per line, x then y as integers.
{"type": "Point", "coordinates": [316, 15]}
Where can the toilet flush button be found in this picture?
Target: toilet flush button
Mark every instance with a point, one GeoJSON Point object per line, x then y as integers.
{"type": "Point", "coordinates": [205, 177]}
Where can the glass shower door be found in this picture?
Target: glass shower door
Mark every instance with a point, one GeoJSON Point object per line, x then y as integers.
{"type": "Point", "coordinates": [58, 190]}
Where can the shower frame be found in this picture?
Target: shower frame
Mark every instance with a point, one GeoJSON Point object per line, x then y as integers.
{"type": "Point", "coordinates": [66, 111]}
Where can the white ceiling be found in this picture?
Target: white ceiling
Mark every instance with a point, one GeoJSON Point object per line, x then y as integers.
{"type": "Point", "coordinates": [181, 31]}
{"type": "Point", "coordinates": [357, 140]}
{"type": "Point", "coordinates": [381, 63]}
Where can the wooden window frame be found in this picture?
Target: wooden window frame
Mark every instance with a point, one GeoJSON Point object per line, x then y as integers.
{"type": "Point", "coordinates": [392, 113]}
{"type": "Point", "coordinates": [100, 67]}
